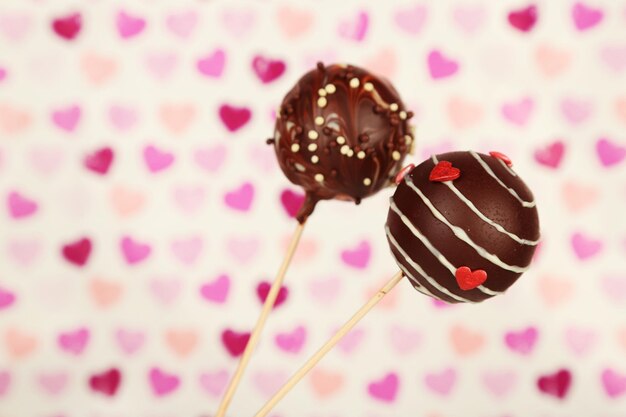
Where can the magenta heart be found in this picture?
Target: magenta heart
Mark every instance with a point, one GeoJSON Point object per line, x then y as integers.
{"type": "Point", "coordinates": [385, 389]}
{"type": "Point", "coordinates": [67, 27]}
{"type": "Point", "coordinates": [291, 201]}
{"type": "Point", "coordinates": [267, 69]}
{"type": "Point", "coordinates": [584, 246]}
{"type": "Point", "coordinates": [523, 341]}
{"type": "Point", "coordinates": [440, 66]}
{"type": "Point", "coordinates": [358, 257]}
{"type": "Point", "coordinates": [614, 383]}
{"type": "Point", "coordinates": [156, 159]}
{"type": "Point", "coordinates": [214, 382]}
{"type": "Point", "coordinates": [291, 342]}
{"type": "Point", "coordinates": [129, 341]}
{"type": "Point", "coordinates": [134, 251]}
{"type": "Point", "coordinates": [524, 19]}
{"type": "Point", "coordinates": [75, 341]}
{"type": "Point", "coordinates": [356, 28]}
{"type": "Point", "coordinates": [556, 384]}
{"type": "Point", "coordinates": [20, 206]}
{"type": "Point", "coordinates": [3, 74]}
{"type": "Point", "coordinates": [609, 152]}
{"type": "Point", "coordinates": [106, 382]}
{"type": "Point", "coordinates": [551, 155]}
{"type": "Point", "coordinates": [234, 118]}
{"type": "Point", "coordinates": [5, 382]}
{"type": "Point", "coordinates": [235, 343]}
{"type": "Point", "coordinates": [263, 289]}
{"type": "Point", "coordinates": [217, 290]}
{"type": "Point", "coordinates": [99, 161]}
{"type": "Point", "coordinates": [67, 119]}
{"type": "Point", "coordinates": [586, 17]}
{"type": "Point", "coordinates": [211, 159]}
{"type": "Point", "coordinates": [241, 198]}
{"type": "Point", "coordinates": [213, 64]}
{"type": "Point", "coordinates": [441, 383]}
{"type": "Point", "coordinates": [162, 382]}
{"type": "Point", "coordinates": [77, 252]}
{"type": "Point", "coordinates": [129, 25]}
{"type": "Point", "coordinates": [7, 298]}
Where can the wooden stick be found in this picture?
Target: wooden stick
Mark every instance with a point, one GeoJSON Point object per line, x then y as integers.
{"type": "Point", "coordinates": [329, 345]}
{"type": "Point", "coordinates": [256, 333]}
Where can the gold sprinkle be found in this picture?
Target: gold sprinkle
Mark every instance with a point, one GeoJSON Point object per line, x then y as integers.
{"type": "Point", "coordinates": [319, 120]}
{"type": "Point", "coordinates": [321, 92]}
{"type": "Point", "coordinates": [396, 155]}
{"type": "Point", "coordinates": [315, 159]}
{"type": "Point", "coordinates": [344, 149]}
{"type": "Point", "coordinates": [295, 147]}
{"type": "Point", "coordinates": [368, 87]}
{"type": "Point", "coordinates": [312, 147]}
{"type": "Point", "coordinates": [367, 181]}
{"type": "Point", "coordinates": [319, 177]}
{"type": "Point", "coordinates": [341, 140]}
{"type": "Point", "coordinates": [393, 106]}
{"type": "Point", "coordinates": [403, 115]}
{"type": "Point", "coordinates": [313, 134]}
{"type": "Point", "coordinates": [321, 102]}
{"type": "Point", "coordinates": [360, 155]}
{"type": "Point", "coordinates": [330, 88]}
{"type": "Point", "coordinates": [354, 83]}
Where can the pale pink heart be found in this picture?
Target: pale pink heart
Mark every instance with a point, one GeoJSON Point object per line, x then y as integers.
{"type": "Point", "coordinates": [67, 118]}
{"type": "Point", "coordinates": [21, 206]}
{"type": "Point", "coordinates": [325, 383]}
{"type": "Point", "coordinates": [216, 291]}
{"type": "Point", "coordinates": [268, 382]}
{"type": "Point", "coordinates": [74, 341]}
{"type": "Point", "coordinates": [24, 251]}
{"type": "Point", "coordinates": [13, 120]}
{"type": "Point", "coordinates": [97, 68]}
{"type": "Point", "coordinates": [311, 59]}
{"type": "Point", "coordinates": [189, 198]}
{"type": "Point", "coordinates": [263, 158]}
{"type": "Point", "coordinates": [621, 337]}
{"type": "Point", "coordinates": [177, 117]}
{"type": "Point", "coordinates": [214, 383]}
{"type": "Point", "coordinates": [441, 66]}
{"type": "Point", "coordinates": [441, 382]}
{"type": "Point", "coordinates": [2, 159]}
{"type": "Point", "coordinates": [470, 18]}
{"type": "Point", "coordinates": [620, 109]}
{"type": "Point", "coordinates": [243, 249]}
{"type": "Point", "coordinates": [578, 196]}
{"type": "Point", "coordinates": [105, 293]}
{"type": "Point", "coordinates": [351, 341]}
{"type": "Point", "coordinates": [383, 63]}
{"type": "Point", "coordinates": [5, 382]}
{"type": "Point", "coordinates": [444, 146]}
{"type": "Point", "coordinates": [165, 290]}
{"type": "Point", "coordinates": [355, 27]}
{"type": "Point", "coordinates": [580, 340]}
{"type": "Point", "coordinates": [614, 383]}
{"type": "Point", "coordinates": [182, 342]}
{"type": "Point", "coordinates": [522, 341]}
{"type": "Point", "coordinates": [238, 22]}
{"type": "Point", "coordinates": [182, 24]}
{"type": "Point", "coordinates": [19, 344]}
{"type": "Point", "coordinates": [325, 290]}
{"type": "Point", "coordinates": [552, 61]}
{"type": "Point", "coordinates": [586, 17]}
{"type": "Point", "coordinates": [156, 159]}
{"type": "Point", "coordinates": [293, 21]}
{"type": "Point", "coordinates": [518, 112]}
{"type": "Point", "coordinates": [585, 246]}
{"type": "Point", "coordinates": [291, 341]}
{"type": "Point", "coordinates": [15, 26]}
{"type": "Point", "coordinates": [307, 249]}
{"type": "Point", "coordinates": [53, 383]}
{"type": "Point", "coordinates": [134, 251]}
{"type": "Point", "coordinates": [575, 111]}
{"type": "Point", "coordinates": [615, 287]}
{"type": "Point", "coordinates": [390, 300]}
{"type": "Point", "coordinates": [187, 250]}
{"type": "Point", "coordinates": [499, 383]}
{"type": "Point", "coordinates": [384, 389]}
{"type": "Point", "coordinates": [614, 56]}
{"type": "Point", "coordinates": [162, 382]}
{"type": "Point", "coordinates": [126, 201]}
{"type": "Point", "coordinates": [46, 160]}
{"type": "Point", "coordinates": [212, 65]}
{"type": "Point", "coordinates": [609, 152]}
{"type": "Point", "coordinates": [122, 118]}
{"type": "Point", "coordinates": [464, 113]}
{"type": "Point", "coordinates": [241, 198]}
{"type": "Point", "coordinates": [404, 340]}
{"type": "Point", "coordinates": [555, 290]}
{"type": "Point", "coordinates": [466, 341]}
{"type": "Point", "coordinates": [161, 64]}
{"type": "Point", "coordinates": [130, 341]}
{"type": "Point", "coordinates": [411, 19]}
{"type": "Point", "coordinates": [212, 158]}
{"type": "Point", "coordinates": [359, 256]}
{"type": "Point", "coordinates": [129, 25]}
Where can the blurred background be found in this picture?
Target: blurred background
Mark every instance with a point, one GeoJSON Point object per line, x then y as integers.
{"type": "Point", "coordinates": [143, 215]}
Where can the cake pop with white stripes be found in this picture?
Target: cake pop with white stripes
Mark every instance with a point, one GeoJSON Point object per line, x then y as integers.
{"type": "Point", "coordinates": [462, 226]}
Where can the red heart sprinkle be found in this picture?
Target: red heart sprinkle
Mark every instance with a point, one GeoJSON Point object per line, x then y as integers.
{"type": "Point", "coordinates": [444, 171]}
{"type": "Point", "coordinates": [468, 279]}
{"type": "Point", "coordinates": [502, 157]}
{"type": "Point", "coordinates": [402, 173]}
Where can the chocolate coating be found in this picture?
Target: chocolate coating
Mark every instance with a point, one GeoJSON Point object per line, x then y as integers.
{"type": "Point", "coordinates": [485, 219]}
{"type": "Point", "coordinates": [342, 133]}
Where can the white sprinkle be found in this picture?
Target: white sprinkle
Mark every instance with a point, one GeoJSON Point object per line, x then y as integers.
{"type": "Point", "coordinates": [319, 177]}
{"type": "Point", "coordinates": [393, 106]}
{"type": "Point", "coordinates": [403, 115]}
{"type": "Point", "coordinates": [313, 135]}
{"type": "Point", "coordinates": [408, 139]}
{"type": "Point", "coordinates": [295, 147]}
{"type": "Point", "coordinates": [396, 155]}
{"type": "Point", "coordinates": [354, 83]}
{"type": "Point", "coordinates": [360, 155]}
{"type": "Point", "coordinates": [315, 159]}
{"type": "Point", "coordinates": [312, 147]}
{"type": "Point", "coordinates": [350, 153]}
{"type": "Point", "coordinates": [330, 88]}
{"type": "Point", "coordinates": [321, 102]}
{"type": "Point", "coordinates": [321, 92]}
{"type": "Point", "coordinates": [344, 149]}
{"type": "Point", "coordinates": [341, 140]}
{"type": "Point", "coordinates": [368, 87]}
{"type": "Point", "coordinates": [319, 120]}
{"type": "Point", "coordinates": [300, 167]}
{"type": "Point", "coordinates": [367, 181]}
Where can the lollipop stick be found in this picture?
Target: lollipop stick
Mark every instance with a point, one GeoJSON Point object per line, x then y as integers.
{"type": "Point", "coordinates": [267, 308]}
{"type": "Point", "coordinates": [329, 345]}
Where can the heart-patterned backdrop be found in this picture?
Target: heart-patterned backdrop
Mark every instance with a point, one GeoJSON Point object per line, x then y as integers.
{"type": "Point", "coordinates": [143, 215]}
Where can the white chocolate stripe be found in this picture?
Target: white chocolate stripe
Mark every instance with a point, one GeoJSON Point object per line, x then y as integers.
{"type": "Point", "coordinates": [507, 167]}
{"type": "Point", "coordinates": [419, 269]}
{"type": "Point", "coordinates": [462, 235]}
{"type": "Point", "coordinates": [494, 176]}
{"type": "Point", "coordinates": [444, 261]}
{"type": "Point", "coordinates": [468, 203]}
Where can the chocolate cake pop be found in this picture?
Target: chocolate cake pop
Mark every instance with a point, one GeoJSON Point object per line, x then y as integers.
{"type": "Point", "coordinates": [341, 132]}
{"type": "Point", "coordinates": [462, 226]}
